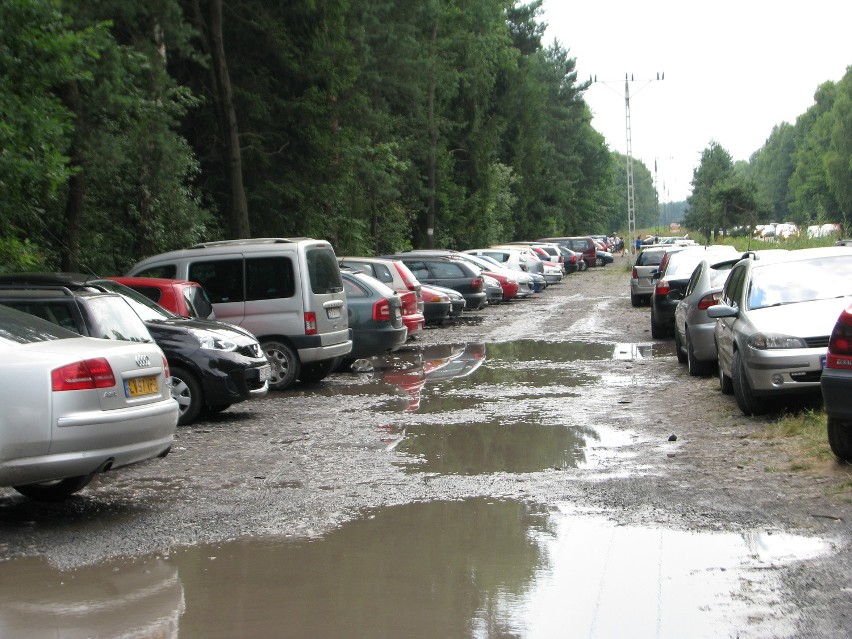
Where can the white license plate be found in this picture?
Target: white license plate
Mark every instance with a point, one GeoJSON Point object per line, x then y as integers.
{"type": "Point", "coordinates": [265, 373]}
{"type": "Point", "coordinates": [333, 313]}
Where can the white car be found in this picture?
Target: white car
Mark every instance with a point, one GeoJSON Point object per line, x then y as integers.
{"type": "Point", "coordinates": [76, 406]}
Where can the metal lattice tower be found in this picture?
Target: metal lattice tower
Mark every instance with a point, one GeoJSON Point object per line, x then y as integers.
{"type": "Point", "coordinates": [631, 204]}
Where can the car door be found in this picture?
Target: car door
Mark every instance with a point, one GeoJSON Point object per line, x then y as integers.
{"type": "Point", "coordinates": [731, 296]}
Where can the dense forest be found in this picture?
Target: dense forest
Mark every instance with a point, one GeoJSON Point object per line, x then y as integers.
{"type": "Point", "coordinates": [130, 128]}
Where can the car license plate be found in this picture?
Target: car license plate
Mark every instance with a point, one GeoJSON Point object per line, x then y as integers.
{"type": "Point", "coordinates": [265, 373]}
{"type": "Point", "coordinates": [141, 386]}
{"type": "Point", "coordinates": [333, 313]}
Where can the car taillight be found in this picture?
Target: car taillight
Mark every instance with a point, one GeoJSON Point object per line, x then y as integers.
{"type": "Point", "coordinates": [840, 344]}
{"type": "Point", "coordinates": [711, 299]}
{"type": "Point", "coordinates": [166, 370]}
{"type": "Point", "coordinates": [381, 310]}
{"type": "Point", "coordinates": [88, 374]}
{"type": "Point", "coordinates": [477, 283]}
{"type": "Point", "coordinates": [662, 288]}
{"type": "Point", "coordinates": [634, 274]}
{"type": "Point", "coordinates": [310, 323]}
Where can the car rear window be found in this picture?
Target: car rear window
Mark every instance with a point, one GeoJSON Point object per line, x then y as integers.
{"type": "Point", "coordinates": [23, 328]}
{"type": "Point", "coordinates": [649, 258]}
{"type": "Point", "coordinates": [323, 271]}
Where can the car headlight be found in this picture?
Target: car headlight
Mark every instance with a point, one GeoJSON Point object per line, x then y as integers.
{"type": "Point", "coordinates": [766, 341]}
{"type": "Point", "coordinates": [213, 341]}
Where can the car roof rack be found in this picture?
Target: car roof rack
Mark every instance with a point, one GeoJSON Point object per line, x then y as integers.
{"type": "Point", "coordinates": [252, 240]}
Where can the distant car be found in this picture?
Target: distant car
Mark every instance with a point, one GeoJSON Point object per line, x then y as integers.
{"type": "Point", "coordinates": [647, 264]}
{"type": "Point", "coordinates": [671, 280]}
{"type": "Point", "coordinates": [458, 303]}
{"type": "Point", "coordinates": [836, 386]}
{"type": "Point", "coordinates": [695, 344]}
{"type": "Point", "coordinates": [73, 406]}
{"type": "Point", "coordinates": [774, 322]}
{"type": "Point", "coordinates": [396, 275]}
{"type": "Point", "coordinates": [603, 257]}
{"type": "Point", "coordinates": [525, 282]}
{"type": "Point", "coordinates": [583, 244]}
{"type": "Point", "coordinates": [492, 289]}
{"type": "Point", "coordinates": [439, 270]}
{"type": "Point", "coordinates": [213, 364]}
{"type": "Point", "coordinates": [187, 299]}
{"type": "Point", "coordinates": [375, 315]}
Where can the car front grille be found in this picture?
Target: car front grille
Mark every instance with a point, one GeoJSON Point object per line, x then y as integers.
{"type": "Point", "coordinates": [252, 350]}
{"type": "Point", "coordinates": [817, 342]}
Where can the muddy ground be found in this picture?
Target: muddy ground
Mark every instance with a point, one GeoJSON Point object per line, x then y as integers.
{"type": "Point", "coordinates": [302, 462]}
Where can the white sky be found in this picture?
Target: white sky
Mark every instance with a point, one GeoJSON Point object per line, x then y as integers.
{"type": "Point", "coordinates": [733, 70]}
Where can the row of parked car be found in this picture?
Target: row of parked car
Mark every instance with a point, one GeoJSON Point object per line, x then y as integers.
{"type": "Point", "coordinates": [771, 323]}
{"type": "Point", "coordinates": [98, 371]}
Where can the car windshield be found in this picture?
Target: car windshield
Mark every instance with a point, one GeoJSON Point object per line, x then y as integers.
{"type": "Point", "coordinates": [144, 307]}
{"type": "Point", "coordinates": [800, 281]}
{"type": "Point", "coordinates": [114, 319]}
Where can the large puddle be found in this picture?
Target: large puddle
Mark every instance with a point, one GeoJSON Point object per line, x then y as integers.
{"type": "Point", "coordinates": [473, 568]}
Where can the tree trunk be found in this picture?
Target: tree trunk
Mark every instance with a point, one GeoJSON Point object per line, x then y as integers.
{"type": "Point", "coordinates": [433, 146]}
{"type": "Point", "coordinates": [69, 250]}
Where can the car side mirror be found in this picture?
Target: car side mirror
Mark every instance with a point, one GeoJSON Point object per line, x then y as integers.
{"type": "Point", "coordinates": [722, 310]}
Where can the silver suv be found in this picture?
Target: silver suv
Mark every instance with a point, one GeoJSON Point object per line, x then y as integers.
{"type": "Point", "coordinates": [288, 292]}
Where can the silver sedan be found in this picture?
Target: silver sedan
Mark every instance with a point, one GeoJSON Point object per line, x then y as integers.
{"type": "Point", "coordinates": [774, 322]}
{"type": "Point", "coordinates": [76, 406]}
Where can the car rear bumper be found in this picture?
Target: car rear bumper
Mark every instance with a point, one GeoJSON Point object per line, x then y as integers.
{"type": "Point", "coordinates": [836, 385]}
{"type": "Point", "coordinates": [317, 348]}
{"type": "Point", "coordinates": [370, 342]}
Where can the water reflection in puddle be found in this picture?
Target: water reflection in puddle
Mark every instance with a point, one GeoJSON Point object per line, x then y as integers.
{"type": "Point", "coordinates": [473, 568]}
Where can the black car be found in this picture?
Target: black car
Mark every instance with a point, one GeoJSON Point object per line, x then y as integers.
{"type": "Point", "coordinates": [442, 270]}
{"type": "Point", "coordinates": [671, 280]}
{"type": "Point", "coordinates": [212, 364]}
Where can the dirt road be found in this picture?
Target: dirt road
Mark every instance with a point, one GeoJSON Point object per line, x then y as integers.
{"type": "Point", "coordinates": [654, 446]}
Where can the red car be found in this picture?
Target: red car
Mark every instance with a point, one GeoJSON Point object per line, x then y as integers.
{"type": "Point", "coordinates": [187, 299]}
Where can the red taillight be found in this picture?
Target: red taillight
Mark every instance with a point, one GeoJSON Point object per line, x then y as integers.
{"type": "Point", "coordinates": [310, 323]}
{"type": "Point", "coordinates": [840, 344]}
{"type": "Point", "coordinates": [88, 374]}
{"type": "Point", "coordinates": [381, 310]}
{"type": "Point", "coordinates": [711, 299]}
{"type": "Point", "coordinates": [409, 302]}
{"type": "Point", "coordinates": [634, 274]}
{"type": "Point", "coordinates": [166, 370]}
{"type": "Point", "coordinates": [477, 283]}
{"type": "Point", "coordinates": [662, 288]}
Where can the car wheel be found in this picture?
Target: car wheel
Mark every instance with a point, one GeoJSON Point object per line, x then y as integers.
{"type": "Point", "coordinates": [318, 371]}
{"type": "Point", "coordinates": [187, 392]}
{"type": "Point", "coordinates": [218, 408]}
{"type": "Point", "coordinates": [599, 261]}
{"type": "Point", "coordinates": [840, 438]}
{"type": "Point", "coordinates": [55, 490]}
{"type": "Point", "coordinates": [681, 356]}
{"type": "Point", "coordinates": [726, 385]}
{"type": "Point", "coordinates": [636, 300]}
{"type": "Point", "coordinates": [748, 403]}
{"type": "Point", "coordinates": [285, 364]}
{"type": "Point", "coordinates": [696, 367]}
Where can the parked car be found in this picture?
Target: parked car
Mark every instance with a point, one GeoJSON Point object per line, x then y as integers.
{"type": "Point", "coordinates": [836, 386]}
{"type": "Point", "coordinates": [440, 270]}
{"type": "Point", "coordinates": [534, 264]}
{"type": "Point", "coordinates": [695, 344]}
{"type": "Point", "coordinates": [458, 303]}
{"type": "Point", "coordinates": [647, 264]}
{"type": "Point", "coordinates": [76, 406]}
{"type": "Point", "coordinates": [187, 299]}
{"type": "Point", "coordinates": [582, 244]}
{"type": "Point", "coordinates": [396, 275]}
{"type": "Point", "coordinates": [774, 322]}
{"type": "Point", "coordinates": [493, 290]}
{"type": "Point", "coordinates": [375, 315]}
{"type": "Point", "coordinates": [286, 292]}
{"type": "Point", "coordinates": [436, 304]}
{"type": "Point", "coordinates": [512, 258]}
{"type": "Point", "coordinates": [602, 256]}
{"type": "Point", "coordinates": [671, 280]}
{"type": "Point", "coordinates": [523, 283]}
{"type": "Point", "coordinates": [213, 364]}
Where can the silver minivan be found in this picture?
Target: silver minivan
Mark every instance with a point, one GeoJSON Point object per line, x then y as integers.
{"type": "Point", "coordinates": [288, 292]}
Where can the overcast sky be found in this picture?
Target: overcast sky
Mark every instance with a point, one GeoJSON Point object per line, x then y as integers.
{"type": "Point", "coordinates": [733, 70]}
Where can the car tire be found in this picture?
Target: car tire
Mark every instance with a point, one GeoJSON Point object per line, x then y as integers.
{"type": "Point", "coordinates": [318, 371]}
{"type": "Point", "coordinates": [840, 438]}
{"type": "Point", "coordinates": [55, 490]}
{"type": "Point", "coordinates": [599, 261]}
{"type": "Point", "coordinates": [187, 391]}
{"type": "Point", "coordinates": [636, 300]}
{"type": "Point", "coordinates": [748, 403]}
{"type": "Point", "coordinates": [696, 367]}
{"type": "Point", "coordinates": [286, 366]}
{"type": "Point", "coordinates": [218, 408]}
{"type": "Point", "coordinates": [681, 356]}
{"type": "Point", "coordinates": [726, 385]}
